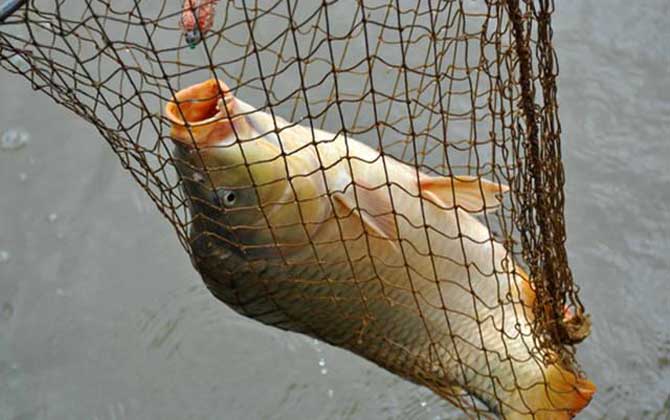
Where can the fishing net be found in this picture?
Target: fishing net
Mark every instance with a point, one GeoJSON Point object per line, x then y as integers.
{"type": "Point", "coordinates": [451, 88]}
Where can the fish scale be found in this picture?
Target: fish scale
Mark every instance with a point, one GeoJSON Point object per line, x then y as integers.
{"type": "Point", "coordinates": [323, 319]}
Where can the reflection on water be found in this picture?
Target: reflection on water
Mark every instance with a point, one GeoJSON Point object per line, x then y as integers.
{"type": "Point", "coordinates": [615, 98]}
{"type": "Point", "coordinates": [102, 316]}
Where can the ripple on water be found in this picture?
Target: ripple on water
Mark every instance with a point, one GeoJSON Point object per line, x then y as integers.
{"type": "Point", "coordinates": [165, 327]}
{"type": "Point", "coordinates": [423, 404]}
{"type": "Point", "coordinates": [113, 411]}
{"type": "Point", "coordinates": [182, 317]}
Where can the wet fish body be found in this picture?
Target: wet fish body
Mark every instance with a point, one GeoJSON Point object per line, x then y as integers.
{"type": "Point", "coordinates": [317, 233]}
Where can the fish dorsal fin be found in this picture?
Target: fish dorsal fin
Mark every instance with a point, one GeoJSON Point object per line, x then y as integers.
{"type": "Point", "coordinates": [472, 193]}
{"type": "Point", "coordinates": [373, 210]}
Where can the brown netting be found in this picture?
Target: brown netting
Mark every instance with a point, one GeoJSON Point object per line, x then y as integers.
{"type": "Point", "coordinates": [451, 88]}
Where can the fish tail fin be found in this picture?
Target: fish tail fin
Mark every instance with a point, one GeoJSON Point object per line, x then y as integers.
{"type": "Point", "coordinates": [561, 395]}
{"type": "Point", "coordinates": [557, 393]}
{"type": "Point", "coordinates": [523, 390]}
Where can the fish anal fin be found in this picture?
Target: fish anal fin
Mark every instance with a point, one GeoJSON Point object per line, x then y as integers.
{"type": "Point", "coordinates": [472, 193]}
{"type": "Point", "coordinates": [373, 210]}
{"type": "Point", "coordinates": [561, 395]}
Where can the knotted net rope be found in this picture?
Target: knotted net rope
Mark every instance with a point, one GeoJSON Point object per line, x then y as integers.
{"type": "Point", "coordinates": [451, 88]}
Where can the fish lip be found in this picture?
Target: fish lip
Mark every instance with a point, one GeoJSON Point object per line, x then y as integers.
{"type": "Point", "coordinates": [196, 113]}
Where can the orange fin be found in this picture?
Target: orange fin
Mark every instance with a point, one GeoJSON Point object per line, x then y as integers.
{"type": "Point", "coordinates": [472, 193]}
{"type": "Point", "coordinates": [373, 210]}
{"type": "Point", "coordinates": [562, 395]}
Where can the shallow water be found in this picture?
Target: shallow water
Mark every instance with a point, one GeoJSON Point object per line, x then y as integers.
{"type": "Point", "coordinates": [102, 316]}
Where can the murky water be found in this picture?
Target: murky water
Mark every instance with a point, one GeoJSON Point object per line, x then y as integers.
{"type": "Point", "coordinates": [102, 316]}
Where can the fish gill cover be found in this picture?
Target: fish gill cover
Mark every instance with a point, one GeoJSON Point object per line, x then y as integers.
{"type": "Point", "coordinates": [382, 175]}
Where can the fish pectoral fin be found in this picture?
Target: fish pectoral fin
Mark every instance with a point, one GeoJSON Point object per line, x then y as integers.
{"type": "Point", "coordinates": [373, 209]}
{"type": "Point", "coordinates": [472, 193]}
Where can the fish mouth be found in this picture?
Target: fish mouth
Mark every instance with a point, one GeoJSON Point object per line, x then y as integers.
{"type": "Point", "coordinates": [201, 114]}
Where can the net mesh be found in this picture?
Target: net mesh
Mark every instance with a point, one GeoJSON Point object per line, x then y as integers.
{"type": "Point", "coordinates": [449, 88]}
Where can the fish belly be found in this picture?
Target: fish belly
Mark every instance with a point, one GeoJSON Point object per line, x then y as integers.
{"type": "Point", "coordinates": [426, 313]}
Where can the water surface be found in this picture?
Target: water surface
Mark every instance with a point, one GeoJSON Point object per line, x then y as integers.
{"type": "Point", "coordinates": [102, 316]}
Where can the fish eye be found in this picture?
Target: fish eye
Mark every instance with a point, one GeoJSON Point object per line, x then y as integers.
{"type": "Point", "coordinates": [229, 198]}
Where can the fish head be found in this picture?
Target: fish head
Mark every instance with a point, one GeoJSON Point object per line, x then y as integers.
{"type": "Point", "coordinates": [244, 192]}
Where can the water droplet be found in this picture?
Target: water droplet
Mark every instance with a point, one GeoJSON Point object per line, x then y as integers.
{"type": "Point", "coordinates": [423, 403]}
{"type": "Point", "coordinates": [23, 177]}
{"type": "Point", "coordinates": [317, 345]}
{"type": "Point", "coordinates": [60, 292]}
{"type": "Point", "coordinates": [4, 256]}
{"type": "Point", "coordinates": [330, 393]}
{"type": "Point", "coordinates": [52, 217]}
{"type": "Point", "coordinates": [20, 63]}
{"type": "Point", "coordinates": [14, 139]}
{"type": "Point", "coordinates": [322, 362]}
{"type": "Point", "coordinates": [324, 371]}
{"type": "Point", "coordinates": [7, 311]}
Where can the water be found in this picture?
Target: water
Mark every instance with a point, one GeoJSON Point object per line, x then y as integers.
{"type": "Point", "coordinates": [13, 139]}
{"type": "Point", "coordinates": [102, 316]}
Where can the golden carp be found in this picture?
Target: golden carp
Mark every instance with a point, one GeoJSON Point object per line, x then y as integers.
{"type": "Point", "coordinates": [318, 233]}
